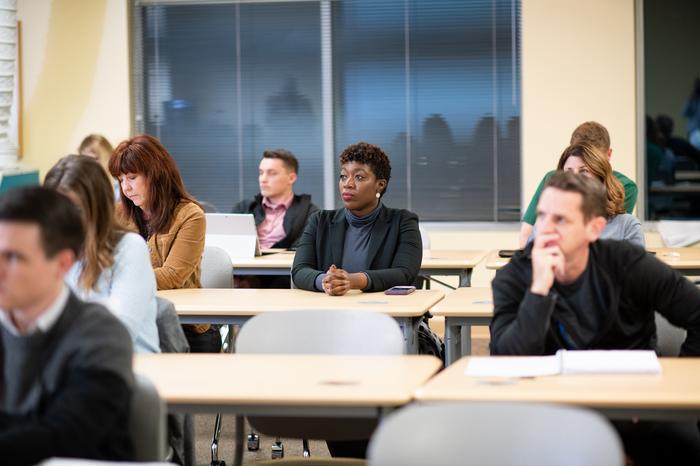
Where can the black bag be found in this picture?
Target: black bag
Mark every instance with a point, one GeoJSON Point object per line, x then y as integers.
{"type": "Point", "coordinates": [428, 341]}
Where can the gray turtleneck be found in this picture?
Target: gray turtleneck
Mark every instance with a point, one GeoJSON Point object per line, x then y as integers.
{"type": "Point", "coordinates": [356, 245]}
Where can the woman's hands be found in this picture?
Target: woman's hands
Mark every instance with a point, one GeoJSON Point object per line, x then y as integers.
{"type": "Point", "coordinates": [337, 281]}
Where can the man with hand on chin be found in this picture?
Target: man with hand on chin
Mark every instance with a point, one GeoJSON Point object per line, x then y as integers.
{"type": "Point", "coordinates": [570, 290]}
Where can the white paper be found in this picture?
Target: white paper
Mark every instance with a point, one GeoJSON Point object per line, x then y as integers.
{"type": "Point", "coordinates": [609, 362]}
{"type": "Point", "coordinates": [512, 366]}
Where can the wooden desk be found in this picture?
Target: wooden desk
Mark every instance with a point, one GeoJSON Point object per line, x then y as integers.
{"type": "Point", "coordinates": [452, 262]}
{"type": "Point", "coordinates": [494, 262]}
{"type": "Point", "coordinates": [236, 305]}
{"type": "Point", "coordinates": [462, 309]}
{"type": "Point", "coordinates": [285, 385]}
{"type": "Point", "coordinates": [436, 262]}
{"type": "Point", "coordinates": [673, 394]}
{"type": "Point", "coordinates": [279, 385]}
{"type": "Point", "coordinates": [685, 260]}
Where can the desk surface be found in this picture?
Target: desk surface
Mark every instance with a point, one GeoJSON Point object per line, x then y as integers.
{"type": "Point", "coordinates": [679, 258]}
{"type": "Point", "coordinates": [432, 259]}
{"type": "Point", "coordinates": [220, 380]}
{"type": "Point", "coordinates": [249, 301]}
{"type": "Point", "coordinates": [493, 262]}
{"type": "Point", "coordinates": [676, 258]}
{"type": "Point", "coordinates": [470, 302]}
{"type": "Point", "coordinates": [676, 388]}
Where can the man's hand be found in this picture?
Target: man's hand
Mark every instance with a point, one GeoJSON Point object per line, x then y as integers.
{"type": "Point", "coordinates": [547, 262]}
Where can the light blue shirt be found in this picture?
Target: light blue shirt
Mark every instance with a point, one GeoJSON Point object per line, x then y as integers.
{"type": "Point", "coordinates": [128, 289]}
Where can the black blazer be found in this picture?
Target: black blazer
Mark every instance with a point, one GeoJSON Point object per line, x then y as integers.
{"type": "Point", "coordinates": [395, 248]}
{"type": "Point", "coordinates": [294, 219]}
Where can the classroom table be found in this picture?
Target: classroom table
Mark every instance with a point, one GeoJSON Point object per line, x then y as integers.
{"type": "Point", "coordinates": [462, 309]}
{"type": "Point", "coordinates": [494, 262]}
{"type": "Point", "coordinates": [673, 394]}
{"type": "Point", "coordinates": [285, 385]}
{"type": "Point", "coordinates": [458, 263]}
{"type": "Point", "coordinates": [234, 306]}
{"type": "Point", "coordinates": [685, 260]}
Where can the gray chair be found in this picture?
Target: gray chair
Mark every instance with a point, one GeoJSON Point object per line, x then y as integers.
{"type": "Point", "coordinates": [319, 332]}
{"type": "Point", "coordinates": [217, 271]}
{"type": "Point", "coordinates": [495, 434]}
{"type": "Point", "coordinates": [669, 338]}
{"type": "Point", "coordinates": [172, 340]}
{"type": "Point", "coordinates": [147, 421]}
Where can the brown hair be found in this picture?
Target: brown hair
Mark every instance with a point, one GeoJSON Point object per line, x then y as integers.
{"type": "Point", "coordinates": [285, 156]}
{"type": "Point", "coordinates": [371, 155]}
{"type": "Point", "coordinates": [599, 165]}
{"type": "Point", "coordinates": [99, 145]}
{"type": "Point", "coordinates": [592, 192]}
{"type": "Point", "coordinates": [593, 133]}
{"type": "Point", "coordinates": [87, 179]}
{"type": "Point", "coordinates": [145, 155]}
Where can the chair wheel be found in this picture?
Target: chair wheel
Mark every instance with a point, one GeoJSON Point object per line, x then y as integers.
{"type": "Point", "coordinates": [277, 450]}
{"type": "Point", "coordinates": [253, 442]}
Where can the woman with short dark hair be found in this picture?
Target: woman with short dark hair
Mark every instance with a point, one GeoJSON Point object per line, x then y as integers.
{"type": "Point", "coordinates": [365, 245]}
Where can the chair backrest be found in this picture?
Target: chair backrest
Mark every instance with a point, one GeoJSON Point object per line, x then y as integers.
{"type": "Point", "coordinates": [217, 271]}
{"type": "Point", "coordinates": [490, 434]}
{"type": "Point", "coordinates": [147, 421]}
{"type": "Point", "coordinates": [172, 338]}
{"type": "Point", "coordinates": [424, 236]}
{"type": "Point", "coordinates": [669, 338]}
{"type": "Point", "coordinates": [321, 332]}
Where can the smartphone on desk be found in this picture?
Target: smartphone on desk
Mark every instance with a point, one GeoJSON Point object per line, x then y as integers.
{"type": "Point", "coordinates": [400, 290]}
{"type": "Point", "coordinates": [507, 252]}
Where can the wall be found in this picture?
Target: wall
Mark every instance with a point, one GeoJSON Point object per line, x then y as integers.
{"type": "Point", "coordinates": [578, 64]}
{"type": "Point", "coordinates": [74, 75]}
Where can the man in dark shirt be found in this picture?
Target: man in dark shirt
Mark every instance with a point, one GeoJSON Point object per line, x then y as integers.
{"type": "Point", "coordinates": [280, 214]}
{"type": "Point", "coordinates": [65, 365]}
{"type": "Point", "coordinates": [570, 290]}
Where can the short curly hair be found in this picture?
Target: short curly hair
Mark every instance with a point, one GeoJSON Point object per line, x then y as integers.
{"type": "Point", "coordinates": [374, 156]}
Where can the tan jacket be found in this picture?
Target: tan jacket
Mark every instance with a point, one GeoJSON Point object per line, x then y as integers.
{"type": "Point", "coordinates": [176, 256]}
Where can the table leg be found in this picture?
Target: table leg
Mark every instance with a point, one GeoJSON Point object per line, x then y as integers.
{"type": "Point", "coordinates": [238, 452]}
{"type": "Point", "coordinates": [453, 342]}
{"type": "Point", "coordinates": [465, 278]}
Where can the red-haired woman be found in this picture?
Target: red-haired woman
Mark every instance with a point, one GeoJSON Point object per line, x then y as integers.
{"type": "Point", "coordinates": [154, 199]}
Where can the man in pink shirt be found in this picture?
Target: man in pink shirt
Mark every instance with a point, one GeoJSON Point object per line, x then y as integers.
{"type": "Point", "coordinates": [280, 215]}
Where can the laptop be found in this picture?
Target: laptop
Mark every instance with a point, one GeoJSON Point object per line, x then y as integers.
{"type": "Point", "coordinates": [234, 233]}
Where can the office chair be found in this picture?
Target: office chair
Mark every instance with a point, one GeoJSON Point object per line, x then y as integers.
{"type": "Point", "coordinates": [319, 332]}
{"type": "Point", "coordinates": [172, 340]}
{"type": "Point", "coordinates": [147, 421]}
{"type": "Point", "coordinates": [495, 434]}
{"type": "Point", "coordinates": [669, 338]}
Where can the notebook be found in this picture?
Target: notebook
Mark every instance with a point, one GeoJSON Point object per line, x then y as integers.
{"type": "Point", "coordinates": [234, 233]}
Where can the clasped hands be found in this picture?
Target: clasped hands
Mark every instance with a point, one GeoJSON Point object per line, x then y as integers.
{"type": "Point", "coordinates": [337, 281]}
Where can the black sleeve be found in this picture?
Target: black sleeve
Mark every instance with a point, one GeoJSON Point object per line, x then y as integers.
{"type": "Point", "coordinates": [87, 413]}
{"type": "Point", "coordinates": [521, 320]}
{"type": "Point", "coordinates": [407, 259]}
{"type": "Point", "coordinates": [305, 267]}
{"type": "Point", "coordinates": [671, 294]}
